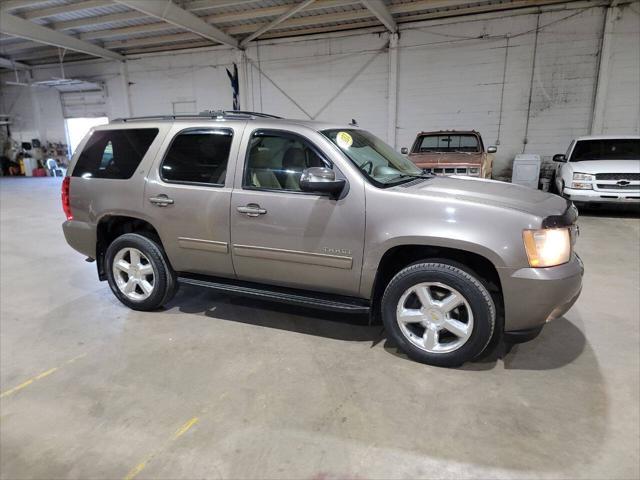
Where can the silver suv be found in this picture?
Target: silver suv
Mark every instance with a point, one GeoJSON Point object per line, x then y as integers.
{"type": "Point", "coordinates": [319, 215]}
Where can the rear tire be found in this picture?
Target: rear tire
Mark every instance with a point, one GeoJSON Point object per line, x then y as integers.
{"type": "Point", "coordinates": [438, 313]}
{"type": "Point", "coordinates": [138, 273]}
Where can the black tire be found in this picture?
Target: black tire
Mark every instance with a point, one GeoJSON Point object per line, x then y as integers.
{"type": "Point", "coordinates": [164, 284]}
{"type": "Point", "coordinates": [467, 284]}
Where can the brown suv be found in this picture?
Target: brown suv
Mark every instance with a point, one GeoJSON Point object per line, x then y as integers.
{"type": "Point", "coordinates": [319, 215]}
{"type": "Point", "coordinates": [452, 152]}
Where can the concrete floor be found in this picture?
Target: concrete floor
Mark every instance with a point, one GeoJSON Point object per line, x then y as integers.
{"type": "Point", "coordinates": [215, 387]}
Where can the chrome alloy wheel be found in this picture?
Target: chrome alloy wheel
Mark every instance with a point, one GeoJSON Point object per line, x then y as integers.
{"type": "Point", "coordinates": [133, 274]}
{"type": "Point", "coordinates": [434, 317]}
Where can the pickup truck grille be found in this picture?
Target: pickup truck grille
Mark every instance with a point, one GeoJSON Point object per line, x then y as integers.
{"type": "Point", "coordinates": [603, 186]}
{"type": "Point", "coordinates": [452, 171]}
{"type": "Point", "coordinates": [618, 176]}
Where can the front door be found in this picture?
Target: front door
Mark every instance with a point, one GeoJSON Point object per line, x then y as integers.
{"type": "Point", "coordinates": [188, 196]}
{"type": "Point", "coordinates": [283, 236]}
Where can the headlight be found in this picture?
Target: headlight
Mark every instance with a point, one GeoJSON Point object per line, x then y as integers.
{"type": "Point", "coordinates": [474, 172]}
{"type": "Point", "coordinates": [579, 180]}
{"type": "Point", "coordinates": [548, 247]}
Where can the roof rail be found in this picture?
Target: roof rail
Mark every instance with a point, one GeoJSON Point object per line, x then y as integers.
{"type": "Point", "coordinates": [212, 114]}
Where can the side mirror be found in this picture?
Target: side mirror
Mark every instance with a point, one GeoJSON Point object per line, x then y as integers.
{"type": "Point", "coordinates": [321, 180]}
{"type": "Point", "coordinates": [404, 150]}
{"type": "Point", "coordinates": [560, 157]}
{"type": "Point", "coordinates": [492, 149]}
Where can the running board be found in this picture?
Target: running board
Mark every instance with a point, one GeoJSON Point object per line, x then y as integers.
{"type": "Point", "coordinates": [302, 298]}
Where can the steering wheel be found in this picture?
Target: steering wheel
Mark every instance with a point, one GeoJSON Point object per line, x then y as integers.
{"type": "Point", "coordinates": [366, 164]}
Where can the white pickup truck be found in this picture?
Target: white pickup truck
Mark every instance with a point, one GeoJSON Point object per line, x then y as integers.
{"type": "Point", "coordinates": [600, 169]}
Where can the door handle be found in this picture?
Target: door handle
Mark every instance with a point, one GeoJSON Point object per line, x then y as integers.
{"type": "Point", "coordinates": [252, 210]}
{"type": "Point", "coordinates": [161, 200]}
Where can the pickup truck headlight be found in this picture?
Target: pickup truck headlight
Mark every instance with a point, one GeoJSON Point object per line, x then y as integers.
{"type": "Point", "coordinates": [580, 179]}
{"type": "Point", "coordinates": [474, 172]}
{"type": "Point", "coordinates": [547, 247]}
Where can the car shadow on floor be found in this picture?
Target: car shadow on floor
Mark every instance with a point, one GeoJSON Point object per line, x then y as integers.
{"type": "Point", "coordinates": [559, 343]}
{"type": "Point", "coordinates": [307, 321]}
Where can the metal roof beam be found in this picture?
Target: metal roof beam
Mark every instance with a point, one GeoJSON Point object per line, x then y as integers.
{"type": "Point", "coordinates": [172, 13]}
{"type": "Point", "coordinates": [12, 25]}
{"type": "Point", "coordinates": [67, 8]}
{"type": "Point", "coordinates": [380, 10]}
{"type": "Point", "coordinates": [213, 19]}
{"type": "Point", "coordinates": [10, 5]}
{"type": "Point", "coordinates": [277, 21]}
{"type": "Point", "coordinates": [13, 65]}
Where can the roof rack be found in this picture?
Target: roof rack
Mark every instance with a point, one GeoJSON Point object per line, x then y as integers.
{"type": "Point", "coordinates": [212, 114]}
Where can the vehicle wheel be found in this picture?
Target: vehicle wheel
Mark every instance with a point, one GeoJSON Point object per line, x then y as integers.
{"type": "Point", "coordinates": [438, 313]}
{"type": "Point", "coordinates": [138, 272]}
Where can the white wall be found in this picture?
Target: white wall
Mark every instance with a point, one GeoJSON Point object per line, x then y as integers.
{"type": "Point", "coordinates": [621, 91]}
{"type": "Point", "coordinates": [452, 74]}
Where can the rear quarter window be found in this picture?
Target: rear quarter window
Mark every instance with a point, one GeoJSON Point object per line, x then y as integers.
{"type": "Point", "coordinates": [114, 153]}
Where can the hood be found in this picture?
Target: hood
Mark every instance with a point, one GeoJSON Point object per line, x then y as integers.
{"type": "Point", "coordinates": [606, 166]}
{"type": "Point", "coordinates": [493, 192]}
{"type": "Point", "coordinates": [435, 158]}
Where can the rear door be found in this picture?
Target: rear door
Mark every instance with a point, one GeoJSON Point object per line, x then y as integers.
{"type": "Point", "coordinates": [283, 236]}
{"type": "Point", "coordinates": [188, 196]}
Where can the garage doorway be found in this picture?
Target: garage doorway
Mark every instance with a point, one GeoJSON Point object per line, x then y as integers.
{"type": "Point", "coordinates": [77, 128]}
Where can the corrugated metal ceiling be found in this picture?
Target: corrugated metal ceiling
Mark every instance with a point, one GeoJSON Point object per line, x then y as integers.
{"type": "Point", "coordinates": [99, 21]}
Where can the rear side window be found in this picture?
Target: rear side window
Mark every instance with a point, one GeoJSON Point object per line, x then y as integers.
{"type": "Point", "coordinates": [114, 153]}
{"type": "Point", "coordinates": [198, 156]}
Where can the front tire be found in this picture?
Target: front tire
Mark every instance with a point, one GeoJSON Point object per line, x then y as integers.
{"type": "Point", "coordinates": [438, 313]}
{"type": "Point", "coordinates": [138, 273]}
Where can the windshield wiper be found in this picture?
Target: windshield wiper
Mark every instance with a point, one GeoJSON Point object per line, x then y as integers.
{"type": "Point", "coordinates": [416, 175]}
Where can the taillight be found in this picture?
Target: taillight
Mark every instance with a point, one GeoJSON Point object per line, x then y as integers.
{"type": "Point", "coordinates": [66, 206]}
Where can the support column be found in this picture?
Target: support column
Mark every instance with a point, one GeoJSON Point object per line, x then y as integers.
{"type": "Point", "coordinates": [602, 85]}
{"type": "Point", "coordinates": [124, 75]}
{"type": "Point", "coordinates": [392, 94]}
{"type": "Point", "coordinates": [243, 79]}
{"type": "Point", "coordinates": [35, 105]}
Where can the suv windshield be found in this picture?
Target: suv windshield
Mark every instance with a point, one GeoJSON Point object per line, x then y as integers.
{"type": "Point", "coordinates": [380, 163]}
{"type": "Point", "coordinates": [622, 149]}
{"type": "Point", "coordinates": [447, 143]}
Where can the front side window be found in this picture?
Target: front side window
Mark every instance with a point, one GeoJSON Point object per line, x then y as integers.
{"type": "Point", "coordinates": [114, 153]}
{"type": "Point", "coordinates": [381, 164]}
{"type": "Point", "coordinates": [276, 160]}
{"type": "Point", "coordinates": [198, 156]}
{"type": "Point", "coordinates": [622, 149]}
{"type": "Point", "coordinates": [448, 143]}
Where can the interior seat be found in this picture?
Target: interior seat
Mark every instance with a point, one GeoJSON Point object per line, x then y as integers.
{"type": "Point", "coordinates": [261, 172]}
{"type": "Point", "coordinates": [293, 163]}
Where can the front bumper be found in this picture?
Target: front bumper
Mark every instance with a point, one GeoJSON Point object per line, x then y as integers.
{"type": "Point", "coordinates": [534, 296]}
{"type": "Point", "coordinates": [599, 196]}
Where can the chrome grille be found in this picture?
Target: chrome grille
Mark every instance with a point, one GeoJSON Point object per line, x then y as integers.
{"type": "Point", "coordinates": [452, 171]}
{"type": "Point", "coordinates": [608, 186]}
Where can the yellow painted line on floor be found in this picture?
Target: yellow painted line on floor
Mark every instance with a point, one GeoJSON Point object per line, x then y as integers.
{"type": "Point", "coordinates": [141, 466]}
{"type": "Point", "coordinates": [40, 376]}
{"type": "Point", "coordinates": [138, 468]}
{"type": "Point", "coordinates": [186, 427]}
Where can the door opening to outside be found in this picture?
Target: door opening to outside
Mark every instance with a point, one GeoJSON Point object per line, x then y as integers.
{"type": "Point", "coordinates": [77, 128]}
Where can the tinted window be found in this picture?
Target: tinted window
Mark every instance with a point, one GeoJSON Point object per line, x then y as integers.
{"type": "Point", "coordinates": [624, 149]}
{"type": "Point", "coordinates": [114, 153]}
{"type": "Point", "coordinates": [276, 161]}
{"type": "Point", "coordinates": [198, 156]}
{"type": "Point", "coordinates": [448, 143]}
